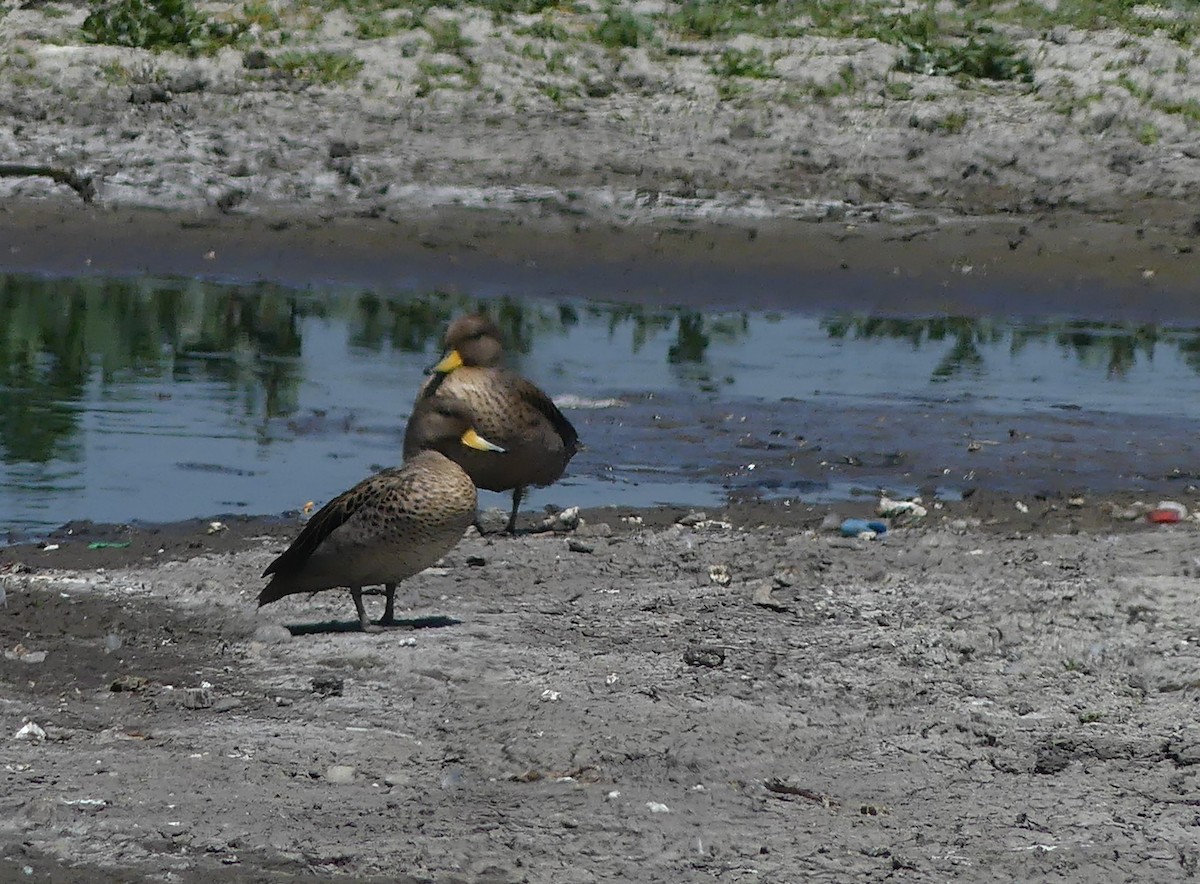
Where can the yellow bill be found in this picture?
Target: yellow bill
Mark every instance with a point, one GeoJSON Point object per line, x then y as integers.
{"type": "Point", "coordinates": [450, 361]}
{"type": "Point", "coordinates": [473, 440]}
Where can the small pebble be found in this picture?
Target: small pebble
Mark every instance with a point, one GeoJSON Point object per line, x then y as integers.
{"type": "Point", "coordinates": [704, 655]}
{"type": "Point", "coordinates": [340, 774]}
{"type": "Point", "coordinates": [196, 698]}
{"type": "Point", "coordinates": [575, 545]}
{"type": "Point", "coordinates": [397, 778]}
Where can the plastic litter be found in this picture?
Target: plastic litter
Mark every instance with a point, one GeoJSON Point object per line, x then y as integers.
{"type": "Point", "coordinates": [31, 732]}
{"type": "Point", "coordinates": [901, 510]}
{"type": "Point", "coordinates": [1163, 516]}
{"type": "Point", "coordinates": [862, 528]}
{"type": "Point", "coordinates": [719, 574]}
{"type": "Point", "coordinates": [1174, 506]}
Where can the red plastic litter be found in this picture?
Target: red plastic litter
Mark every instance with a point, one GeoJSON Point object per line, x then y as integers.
{"type": "Point", "coordinates": [1162, 517]}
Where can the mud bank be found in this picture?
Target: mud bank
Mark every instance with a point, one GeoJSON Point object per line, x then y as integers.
{"type": "Point", "coordinates": [621, 113]}
{"type": "Point", "coordinates": [634, 701]}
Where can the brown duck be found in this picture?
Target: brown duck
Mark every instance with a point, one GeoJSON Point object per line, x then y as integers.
{"type": "Point", "coordinates": [538, 440]}
{"type": "Point", "coordinates": [393, 524]}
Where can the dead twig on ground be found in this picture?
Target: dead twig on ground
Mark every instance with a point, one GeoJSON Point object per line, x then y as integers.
{"type": "Point", "coordinates": [81, 184]}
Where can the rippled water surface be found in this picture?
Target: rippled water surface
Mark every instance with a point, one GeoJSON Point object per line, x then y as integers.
{"type": "Point", "coordinates": [157, 400]}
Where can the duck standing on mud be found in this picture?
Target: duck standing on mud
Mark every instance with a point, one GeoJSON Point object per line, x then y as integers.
{"type": "Point", "coordinates": [393, 524]}
{"type": "Point", "coordinates": [538, 440]}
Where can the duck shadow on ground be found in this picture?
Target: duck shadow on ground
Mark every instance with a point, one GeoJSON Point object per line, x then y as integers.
{"type": "Point", "coordinates": [328, 627]}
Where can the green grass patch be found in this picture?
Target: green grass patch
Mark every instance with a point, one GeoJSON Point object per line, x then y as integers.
{"type": "Point", "coordinates": [447, 36]}
{"type": "Point", "coordinates": [706, 19]}
{"type": "Point", "coordinates": [116, 74]}
{"type": "Point", "coordinates": [621, 29]}
{"type": "Point", "coordinates": [518, 7]}
{"type": "Point", "coordinates": [1148, 134]}
{"type": "Point", "coordinates": [438, 75]}
{"type": "Point", "coordinates": [377, 26]}
{"type": "Point", "coordinates": [260, 13]}
{"type": "Point", "coordinates": [320, 66]}
{"type": "Point", "coordinates": [750, 63]}
{"type": "Point", "coordinates": [1188, 108]}
{"type": "Point", "coordinates": [174, 25]}
{"type": "Point", "coordinates": [948, 43]}
{"type": "Point", "coordinates": [545, 28]}
{"type": "Point", "coordinates": [1182, 25]}
{"type": "Point", "coordinates": [931, 50]}
{"type": "Point", "coordinates": [845, 83]}
{"type": "Point", "coordinates": [953, 123]}
{"type": "Point", "coordinates": [728, 90]}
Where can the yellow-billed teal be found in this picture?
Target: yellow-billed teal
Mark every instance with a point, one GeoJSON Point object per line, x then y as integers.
{"type": "Point", "coordinates": [393, 524]}
{"type": "Point", "coordinates": [538, 441]}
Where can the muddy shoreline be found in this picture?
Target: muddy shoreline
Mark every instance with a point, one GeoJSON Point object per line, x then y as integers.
{"type": "Point", "coordinates": [678, 700]}
{"type": "Point", "coordinates": [1060, 264]}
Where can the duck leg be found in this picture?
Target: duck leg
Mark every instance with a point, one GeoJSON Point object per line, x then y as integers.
{"type": "Point", "coordinates": [389, 608]}
{"type": "Point", "coordinates": [518, 493]}
{"type": "Point", "coordinates": [363, 622]}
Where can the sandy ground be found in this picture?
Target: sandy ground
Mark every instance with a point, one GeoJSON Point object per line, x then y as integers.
{"type": "Point", "coordinates": [724, 700]}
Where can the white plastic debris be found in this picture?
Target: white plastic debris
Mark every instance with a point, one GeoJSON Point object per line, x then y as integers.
{"type": "Point", "coordinates": [657, 807]}
{"type": "Point", "coordinates": [569, 400]}
{"type": "Point", "coordinates": [901, 510]}
{"type": "Point", "coordinates": [719, 574]}
{"type": "Point", "coordinates": [20, 652]}
{"type": "Point", "coordinates": [31, 732]}
{"type": "Point", "coordinates": [1021, 508]}
{"type": "Point", "coordinates": [562, 521]}
{"type": "Point", "coordinates": [549, 696]}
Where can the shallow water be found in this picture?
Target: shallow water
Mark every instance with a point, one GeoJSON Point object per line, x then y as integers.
{"type": "Point", "coordinates": [157, 400]}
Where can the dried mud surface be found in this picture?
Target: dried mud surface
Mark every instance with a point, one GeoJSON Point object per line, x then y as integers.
{"type": "Point", "coordinates": [500, 115]}
{"type": "Point", "coordinates": [983, 697]}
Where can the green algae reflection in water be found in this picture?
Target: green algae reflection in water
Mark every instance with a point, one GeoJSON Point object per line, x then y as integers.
{"type": "Point", "coordinates": [166, 399]}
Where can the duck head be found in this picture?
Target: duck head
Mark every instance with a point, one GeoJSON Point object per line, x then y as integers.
{"type": "Point", "coordinates": [472, 340]}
